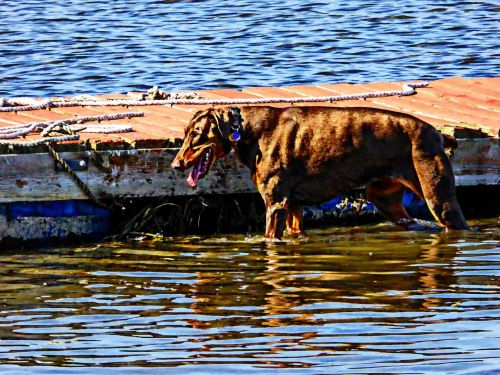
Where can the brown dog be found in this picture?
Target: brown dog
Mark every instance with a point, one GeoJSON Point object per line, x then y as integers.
{"type": "Point", "coordinates": [308, 155]}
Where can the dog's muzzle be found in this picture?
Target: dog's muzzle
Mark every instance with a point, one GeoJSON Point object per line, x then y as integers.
{"type": "Point", "coordinates": [176, 164]}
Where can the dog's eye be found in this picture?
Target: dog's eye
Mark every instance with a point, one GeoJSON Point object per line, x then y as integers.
{"type": "Point", "coordinates": [199, 137]}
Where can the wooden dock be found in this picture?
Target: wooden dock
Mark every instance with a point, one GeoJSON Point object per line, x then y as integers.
{"type": "Point", "coordinates": [136, 164]}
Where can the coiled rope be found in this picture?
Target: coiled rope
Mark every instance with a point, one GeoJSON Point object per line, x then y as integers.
{"type": "Point", "coordinates": [27, 104]}
{"type": "Point", "coordinates": [46, 128]}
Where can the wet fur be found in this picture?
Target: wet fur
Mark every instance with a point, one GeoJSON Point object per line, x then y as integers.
{"type": "Point", "coordinates": [308, 155]}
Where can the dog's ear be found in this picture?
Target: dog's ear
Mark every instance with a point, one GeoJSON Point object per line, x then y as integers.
{"type": "Point", "coordinates": [221, 119]}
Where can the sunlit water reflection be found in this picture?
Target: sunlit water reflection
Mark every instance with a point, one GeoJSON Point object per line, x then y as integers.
{"type": "Point", "coordinates": [367, 299]}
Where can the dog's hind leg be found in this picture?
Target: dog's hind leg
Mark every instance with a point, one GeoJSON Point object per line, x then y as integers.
{"type": "Point", "coordinates": [387, 195]}
{"type": "Point", "coordinates": [295, 221]}
{"type": "Point", "coordinates": [437, 182]}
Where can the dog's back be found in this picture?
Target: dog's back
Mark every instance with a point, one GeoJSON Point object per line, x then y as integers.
{"type": "Point", "coordinates": [348, 145]}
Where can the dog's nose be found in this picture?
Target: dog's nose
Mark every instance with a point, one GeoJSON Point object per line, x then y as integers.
{"type": "Point", "coordinates": [176, 164]}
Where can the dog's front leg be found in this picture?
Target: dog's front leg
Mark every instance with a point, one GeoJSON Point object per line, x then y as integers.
{"type": "Point", "coordinates": [275, 199]}
{"type": "Point", "coordinates": [276, 215]}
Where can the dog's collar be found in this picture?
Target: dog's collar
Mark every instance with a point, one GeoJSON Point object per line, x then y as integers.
{"type": "Point", "coordinates": [235, 122]}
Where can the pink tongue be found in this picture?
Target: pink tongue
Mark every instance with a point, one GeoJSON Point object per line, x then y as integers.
{"type": "Point", "coordinates": [198, 169]}
{"type": "Point", "coordinates": [192, 179]}
{"type": "Point", "coordinates": [194, 175]}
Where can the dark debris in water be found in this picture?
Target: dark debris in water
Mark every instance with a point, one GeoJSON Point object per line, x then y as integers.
{"type": "Point", "coordinates": [233, 213]}
{"type": "Point", "coordinates": [189, 215]}
{"type": "Point", "coordinates": [245, 213]}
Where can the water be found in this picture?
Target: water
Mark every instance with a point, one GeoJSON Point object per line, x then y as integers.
{"type": "Point", "coordinates": [71, 47]}
{"type": "Point", "coordinates": [366, 299]}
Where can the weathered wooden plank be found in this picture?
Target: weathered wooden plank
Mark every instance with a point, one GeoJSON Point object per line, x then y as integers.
{"type": "Point", "coordinates": [147, 173]}
{"type": "Point", "coordinates": [428, 102]}
{"type": "Point", "coordinates": [477, 162]}
{"type": "Point", "coordinates": [231, 94]}
{"type": "Point", "coordinates": [43, 228]}
{"type": "Point", "coordinates": [437, 114]}
{"type": "Point", "coordinates": [124, 173]}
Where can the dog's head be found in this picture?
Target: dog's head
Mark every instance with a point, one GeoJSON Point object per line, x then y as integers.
{"type": "Point", "coordinates": [206, 140]}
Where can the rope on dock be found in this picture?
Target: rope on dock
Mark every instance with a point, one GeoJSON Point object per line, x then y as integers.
{"type": "Point", "coordinates": [27, 104]}
{"type": "Point", "coordinates": [46, 128]}
{"type": "Point", "coordinates": [82, 185]}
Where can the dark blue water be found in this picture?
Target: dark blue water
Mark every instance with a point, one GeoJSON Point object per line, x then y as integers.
{"type": "Point", "coordinates": [58, 47]}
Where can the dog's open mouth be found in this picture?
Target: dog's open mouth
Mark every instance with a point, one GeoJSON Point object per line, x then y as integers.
{"type": "Point", "coordinates": [201, 167]}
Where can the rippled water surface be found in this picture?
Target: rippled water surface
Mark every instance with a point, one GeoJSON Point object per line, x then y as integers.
{"type": "Point", "coordinates": [367, 299]}
{"type": "Point", "coordinates": [56, 47]}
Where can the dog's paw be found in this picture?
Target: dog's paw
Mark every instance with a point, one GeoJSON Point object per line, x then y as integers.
{"type": "Point", "coordinates": [418, 225]}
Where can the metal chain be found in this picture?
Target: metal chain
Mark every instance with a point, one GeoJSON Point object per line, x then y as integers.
{"type": "Point", "coordinates": [21, 104]}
